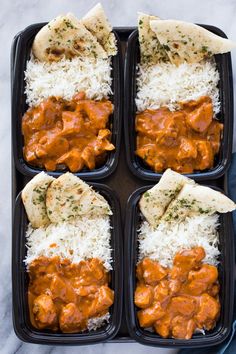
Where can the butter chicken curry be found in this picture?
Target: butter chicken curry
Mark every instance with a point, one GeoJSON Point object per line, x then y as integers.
{"type": "Point", "coordinates": [177, 301]}
{"type": "Point", "coordinates": [184, 140]}
{"type": "Point", "coordinates": [74, 133]}
{"type": "Point", "coordinates": [63, 295]}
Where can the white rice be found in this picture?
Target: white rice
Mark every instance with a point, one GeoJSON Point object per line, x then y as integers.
{"type": "Point", "coordinates": [97, 322]}
{"type": "Point", "coordinates": [79, 240]}
{"type": "Point", "coordinates": [66, 78]}
{"type": "Point", "coordinates": [165, 84]}
{"type": "Point", "coordinates": [167, 239]}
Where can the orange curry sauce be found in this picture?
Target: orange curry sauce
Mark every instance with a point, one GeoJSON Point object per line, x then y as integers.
{"type": "Point", "coordinates": [64, 296]}
{"type": "Point", "coordinates": [184, 140]}
{"type": "Point", "coordinates": [177, 301]}
{"type": "Point", "coordinates": [74, 133]}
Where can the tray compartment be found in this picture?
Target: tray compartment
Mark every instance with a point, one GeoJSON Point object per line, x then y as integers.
{"type": "Point", "coordinates": [19, 107]}
{"type": "Point", "coordinates": [22, 326]}
{"type": "Point", "coordinates": [226, 116]}
{"type": "Point", "coordinates": [226, 279]}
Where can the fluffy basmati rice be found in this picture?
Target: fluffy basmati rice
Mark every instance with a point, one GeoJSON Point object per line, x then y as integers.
{"type": "Point", "coordinates": [97, 322]}
{"type": "Point", "coordinates": [165, 84]}
{"type": "Point", "coordinates": [79, 240]}
{"type": "Point", "coordinates": [66, 78]}
{"type": "Point", "coordinates": [167, 239]}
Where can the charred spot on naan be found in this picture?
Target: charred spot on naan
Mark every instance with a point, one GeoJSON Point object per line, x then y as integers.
{"type": "Point", "coordinates": [66, 37]}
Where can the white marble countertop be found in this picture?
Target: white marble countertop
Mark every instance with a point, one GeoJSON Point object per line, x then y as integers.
{"type": "Point", "coordinates": [15, 15]}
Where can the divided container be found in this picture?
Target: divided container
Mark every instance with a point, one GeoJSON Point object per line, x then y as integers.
{"type": "Point", "coordinates": [21, 321]}
{"type": "Point", "coordinates": [226, 279]}
{"type": "Point", "coordinates": [222, 160]}
{"type": "Point", "coordinates": [22, 325]}
{"type": "Point", "coordinates": [19, 107]}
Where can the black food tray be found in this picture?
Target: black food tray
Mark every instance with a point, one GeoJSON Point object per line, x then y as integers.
{"type": "Point", "coordinates": [22, 325]}
{"type": "Point", "coordinates": [19, 107]}
{"type": "Point", "coordinates": [226, 115]}
{"type": "Point", "coordinates": [122, 181]}
{"type": "Point", "coordinates": [226, 279]}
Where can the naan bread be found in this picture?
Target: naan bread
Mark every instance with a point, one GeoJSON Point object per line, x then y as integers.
{"type": "Point", "coordinates": [93, 204]}
{"type": "Point", "coordinates": [97, 23]}
{"type": "Point", "coordinates": [187, 42]}
{"type": "Point", "coordinates": [66, 36]}
{"type": "Point", "coordinates": [63, 197]}
{"type": "Point", "coordinates": [69, 197]}
{"type": "Point", "coordinates": [151, 50]}
{"type": "Point", "coordinates": [197, 200]}
{"type": "Point", "coordinates": [154, 202]}
{"type": "Point", "coordinates": [33, 197]}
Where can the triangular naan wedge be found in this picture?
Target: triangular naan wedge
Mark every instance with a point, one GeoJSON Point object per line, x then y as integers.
{"type": "Point", "coordinates": [34, 199]}
{"type": "Point", "coordinates": [197, 200]}
{"type": "Point", "coordinates": [93, 204]}
{"type": "Point", "coordinates": [67, 37]}
{"type": "Point", "coordinates": [63, 197]}
{"type": "Point", "coordinates": [97, 23]}
{"type": "Point", "coordinates": [150, 48]}
{"type": "Point", "coordinates": [154, 201]}
{"type": "Point", "coordinates": [187, 42]}
{"type": "Point", "coordinates": [69, 197]}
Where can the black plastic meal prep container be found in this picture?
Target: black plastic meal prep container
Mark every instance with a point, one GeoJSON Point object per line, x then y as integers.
{"type": "Point", "coordinates": [20, 280]}
{"type": "Point", "coordinates": [222, 160]}
{"type": "Point", "coordinates": [19, 107]}
{"type": "Point", "coordinates": [226, 280]}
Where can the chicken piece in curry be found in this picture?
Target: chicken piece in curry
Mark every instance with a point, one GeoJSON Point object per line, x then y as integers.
{"type": "Point", "coordinates": [176, 301]}
{"type": "Point", "coordinates": [185, 140]}
{"type": "Point", "coordinates": [64, 295]}
{"type": "Point", "coordinates": [72, 134]}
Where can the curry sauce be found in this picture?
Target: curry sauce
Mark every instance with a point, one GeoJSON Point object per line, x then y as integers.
{"type": "Point", "coordinates": [74, 134]}
{"type": "Point", "coordinates": [64, 295]}
{"type": "Point", "coordinates": [185, 140]}
{"type": "Point", "coordinates": [176, 302]}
